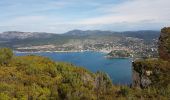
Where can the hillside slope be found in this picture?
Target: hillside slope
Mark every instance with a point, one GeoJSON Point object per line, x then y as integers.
{"type": "Point", "coordinates": [35, 77]}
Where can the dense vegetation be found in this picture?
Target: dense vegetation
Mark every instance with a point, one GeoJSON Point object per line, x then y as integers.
{"type": "Point", "coordinates": [34, 77]}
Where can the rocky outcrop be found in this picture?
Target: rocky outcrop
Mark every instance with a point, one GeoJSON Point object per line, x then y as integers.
{"type": "Point", "coordinates": [154, 72]}
{"type": "Point", "coordinates": [164, 44]}
{"type": "Point", "coordinates": [140, 75]}
{"type": "Point", "coordinates": [151, 72]}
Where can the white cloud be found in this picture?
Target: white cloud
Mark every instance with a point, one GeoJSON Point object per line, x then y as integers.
{"type": "Point", "coordinates": [133, 11]}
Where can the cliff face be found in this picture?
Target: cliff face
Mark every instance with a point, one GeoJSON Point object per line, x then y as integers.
{"type": "Point", "coordinates": [151, 72]}
{"type": "Point", "coordinates": [154, 72]}
{"type": "Point", "coordinates": [164, 44]}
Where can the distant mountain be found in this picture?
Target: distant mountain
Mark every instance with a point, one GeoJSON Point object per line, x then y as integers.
{"type": "Point", "coordinates": [10, 35]}
{"type": "Point", "coordinates": [145, 34]}
{"type": "Point", "coordinates": [89, 32]}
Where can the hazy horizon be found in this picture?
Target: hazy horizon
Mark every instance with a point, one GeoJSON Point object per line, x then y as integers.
{"type": "Point", "coordinates": [76, 30]}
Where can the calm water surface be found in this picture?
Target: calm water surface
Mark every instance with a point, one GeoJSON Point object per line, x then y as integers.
{"type": "Point", "coordinates": [118, 69]}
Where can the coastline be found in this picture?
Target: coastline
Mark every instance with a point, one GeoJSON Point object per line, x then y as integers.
{"type": "Point", "coordinates": [15, 51]}
{"type": "Point", "coordinates": [104, 52]}
{"type": "Point", "coordinates": [111, 57]}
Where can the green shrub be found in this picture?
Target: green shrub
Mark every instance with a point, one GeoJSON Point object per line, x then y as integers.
{"type": "Point", "coordinates": [4, 96]}
{"type": "Point", "coordinates": [5, 55]}
{"type": "Point", "coordinates": [124, 91]}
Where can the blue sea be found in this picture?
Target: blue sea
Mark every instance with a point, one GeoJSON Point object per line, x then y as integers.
{"type": "Point", "coordinates": [119, 69]}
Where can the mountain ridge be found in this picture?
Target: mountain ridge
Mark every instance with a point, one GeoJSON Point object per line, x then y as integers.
{"type": "Point", "coordinates": [143, 34]}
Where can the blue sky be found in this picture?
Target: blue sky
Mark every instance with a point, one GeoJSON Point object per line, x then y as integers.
{"type": "Point", "coordinates": [59, 16]}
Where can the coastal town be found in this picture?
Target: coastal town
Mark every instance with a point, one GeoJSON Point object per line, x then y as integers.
{"type": "Point", "coordinates": [136, 47]}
